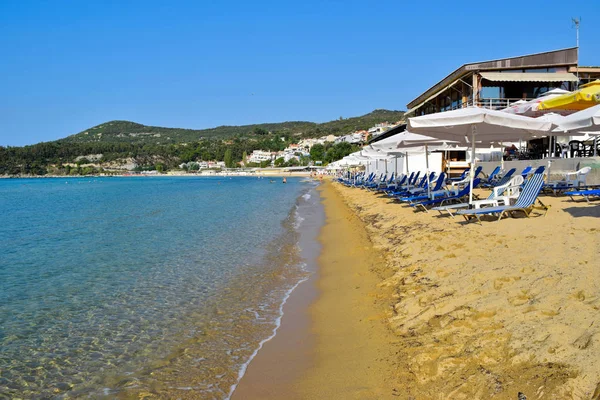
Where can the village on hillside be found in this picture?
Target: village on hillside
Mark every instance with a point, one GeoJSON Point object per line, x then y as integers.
{"type": "Point", "coordinates": [295, 153]}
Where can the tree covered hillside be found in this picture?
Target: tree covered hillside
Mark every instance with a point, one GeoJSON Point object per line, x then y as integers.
{"type": "Point", "coordinates": [131, 132]}
{"type": "Point", "coordinates": [113, 145]}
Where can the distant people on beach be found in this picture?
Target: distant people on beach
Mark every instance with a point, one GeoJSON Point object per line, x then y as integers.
{"type": "Point", "coordinates": [284, 180]}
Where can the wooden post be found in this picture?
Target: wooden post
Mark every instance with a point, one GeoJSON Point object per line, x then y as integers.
{"type": "Point", "coordinates": [475, 88]}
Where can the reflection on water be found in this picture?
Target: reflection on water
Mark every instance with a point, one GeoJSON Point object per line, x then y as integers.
{"type": "Point", "coordinates": [131, 287]}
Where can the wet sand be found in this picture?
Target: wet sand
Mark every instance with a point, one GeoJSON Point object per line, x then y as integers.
{"type": "Point", "coordinates": [333, 342]}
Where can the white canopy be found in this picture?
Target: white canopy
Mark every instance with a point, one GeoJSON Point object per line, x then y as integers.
{"type": "Point", "coordinates": [471, 124]}
{"type": "Point", "coordinates": [375, 154]}
{"type": "Point", "coordinates": [483, 124]}
{"type": "Point", "coordinates": [585, 120]}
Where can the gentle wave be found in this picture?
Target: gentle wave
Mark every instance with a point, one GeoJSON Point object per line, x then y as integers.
{"type": "Point", "coordinates": [261, 344]}
{"type": "Point", "coordinates": [180, 288]}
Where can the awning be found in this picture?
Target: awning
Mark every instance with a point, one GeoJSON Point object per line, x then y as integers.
{"type": "Point", "coordinates": [529, 76]}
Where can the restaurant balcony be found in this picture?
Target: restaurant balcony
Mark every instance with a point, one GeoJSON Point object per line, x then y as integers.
{"type": "Point", "coordinates": [490, 103]}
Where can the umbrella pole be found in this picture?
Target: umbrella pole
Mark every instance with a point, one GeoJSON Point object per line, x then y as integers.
{"type": "Point", "coordinates": [406, 156]}
{"type": "Point", "coordinates": [502, 156]}
{"type": "Point", "coordinates": [396, 166]}
{"type": "Point", "coordinates": [427, 172]}
{"type": "Point", "coordinates": [595, 146]}
{"type": "Point", "coordinates": [472, 169]}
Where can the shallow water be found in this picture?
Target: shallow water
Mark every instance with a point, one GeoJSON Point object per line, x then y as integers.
{"type": "Point", "coordinates": [117, 287]}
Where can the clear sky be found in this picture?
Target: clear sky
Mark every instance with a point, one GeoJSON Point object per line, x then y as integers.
{"type": "Point", "coordinates": [68, 65]}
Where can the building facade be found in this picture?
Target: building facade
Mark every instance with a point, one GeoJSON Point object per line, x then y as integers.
{"type": "Point", "coordinates": [499, 83]}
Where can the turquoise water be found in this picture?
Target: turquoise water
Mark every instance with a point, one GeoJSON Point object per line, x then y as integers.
{"type": "Point", "coordinates": [115, 287]}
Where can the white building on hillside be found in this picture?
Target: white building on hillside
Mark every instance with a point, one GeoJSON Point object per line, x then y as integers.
{"type": "Point", "coordinates": [378, 129]}
{"type": "Point", "coordinates": [259, 156]}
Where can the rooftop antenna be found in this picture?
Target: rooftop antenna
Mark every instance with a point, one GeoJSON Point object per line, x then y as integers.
{"type": "Point", "coordinates": [576, 22]}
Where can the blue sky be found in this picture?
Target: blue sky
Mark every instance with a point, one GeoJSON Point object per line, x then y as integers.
{"type": "Point", "coordinates": [70, 65]}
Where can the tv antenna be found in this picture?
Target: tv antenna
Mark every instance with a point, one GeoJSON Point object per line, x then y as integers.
{"type": "Point", "coordinates": [576, 23]}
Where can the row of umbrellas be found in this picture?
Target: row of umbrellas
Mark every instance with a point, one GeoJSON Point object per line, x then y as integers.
{"type": "Point", "coordinates": [474, 127]}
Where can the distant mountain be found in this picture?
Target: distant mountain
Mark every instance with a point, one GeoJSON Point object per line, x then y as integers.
{"type": "Point", "coordinates": [131, 132]}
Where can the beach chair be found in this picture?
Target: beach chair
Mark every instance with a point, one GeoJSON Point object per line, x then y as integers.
{"type": "Point", "coordinates": [492, 178]}
{"type": "Point", "coordinates": [572, 180]}
{"type": "Point", "coordinates": [525, 202]}
{"type": "Point", "coordinates": [410, 184]}
{"type": "Point", "coordinates": [525, 173]}
{"type": "Point", "coordinates": [438, 183]}
{"type": "Point", "coordinates": [424, 184]}
{"type": "Point", "coordinates": [394, 185]}
{"type": "Point", "coordinates": [457, 198]}
{"type": "Point", "coordinates": [457, 185]}
{"type": "Point", "coordinates": [461, 177]}
{"type": "Point", "coordinates": [384, 185]}
{"type": "Point", "coordinates": [500, 195]}
{"type": "Point", "coordinates": [400, 180]}
{"type": "Point", "coordinates": [406, 191]}
{"type": "Point", "coordinates": [506, 177]}
{"type": "Point", "coordinates": [586, 194]}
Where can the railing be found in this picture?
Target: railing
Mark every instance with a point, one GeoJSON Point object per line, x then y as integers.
{"type": "Point", "coordinates": [497, 104]}
{"type": "Point", "coordinates": [491, 103]}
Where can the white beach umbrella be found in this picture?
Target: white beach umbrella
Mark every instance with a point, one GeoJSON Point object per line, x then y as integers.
{"type": "Point", "coordinates": [585, 120]}
{"type": "Point", "coordinates": [530, 108]}
{"type": "Point", "coordinates": [422, 144]}
{"type": "Point", "coordinates": [466, 125]}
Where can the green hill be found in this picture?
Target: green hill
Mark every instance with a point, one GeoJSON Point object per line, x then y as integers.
{"type": "Point", "coordinates": [115, 143]}
{"type": "Point", "coordinates": [131, 132]}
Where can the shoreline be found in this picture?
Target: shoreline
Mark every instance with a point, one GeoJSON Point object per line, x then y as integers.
{"type": "Point", "coordinates": [474, 311]}
{"type": "Point", "coordinates": [277, 174]}
{"type": "Point", "coordinates": [332, 340]}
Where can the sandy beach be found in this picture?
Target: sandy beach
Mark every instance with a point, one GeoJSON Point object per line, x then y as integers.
{"type": "Point", "coordinates": [333, 342]}
{"type": "Point", "coordinates": [411, 305]}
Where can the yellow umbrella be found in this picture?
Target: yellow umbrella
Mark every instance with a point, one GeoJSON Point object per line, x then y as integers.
{"type": "Point", "coordinates": [587, 96]}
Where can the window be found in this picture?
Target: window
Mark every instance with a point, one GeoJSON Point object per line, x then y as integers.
{"type": "Point", "coordinates": [490, 92]}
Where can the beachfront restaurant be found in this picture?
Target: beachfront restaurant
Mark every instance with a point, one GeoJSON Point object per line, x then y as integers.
{"type": "Point", "coordinates": [509, 84]}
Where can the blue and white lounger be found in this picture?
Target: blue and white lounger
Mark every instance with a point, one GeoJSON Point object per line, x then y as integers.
{"type": "Point", "coordinates": [586, 194]}
{"type": "Point", "coordinates": [525, 201]}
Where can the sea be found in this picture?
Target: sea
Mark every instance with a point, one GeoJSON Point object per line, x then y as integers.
{"type": "Point", "coordinates": [128, 287]}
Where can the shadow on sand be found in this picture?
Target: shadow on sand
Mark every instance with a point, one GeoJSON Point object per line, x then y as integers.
{"type": "Point", "coordinates": [584, 210]}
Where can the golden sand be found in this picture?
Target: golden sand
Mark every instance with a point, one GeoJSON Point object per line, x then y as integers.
{"type": "Point", "coordinates": [491, 310]}
{"type": "Point", "coordinates": [337, 346]}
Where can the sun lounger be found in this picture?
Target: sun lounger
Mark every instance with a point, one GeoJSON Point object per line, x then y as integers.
{"type": "Point", "coordinates": [461, 177]}
{"type": "Point", "coordinates": [586, 194]}
{"type": "Point", "coordinates": [525, 202]}
{"type": "Point", "coordinates": [424, 185]}
{"type": "Point", "coordinates": [457, 198]}
{"type": "Point", "coordinates": [525, 173]}
{"type": "Point", "coordinates": [492, 178]}
{"type": "Point", "coordinates": [405, 190]}
{"type": "Point", "coordinates": [410, 183]}
{"type": "Point", "coordinates": [457, 185]}
{"type": "Point", "coordinates": [398, 183]}
{"type": "Point", "coordinates": [572, 180]}
{"type": "Point", "coordinates": [439, 182]}
{"type": "Point", "coordinates": [500, 195]}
